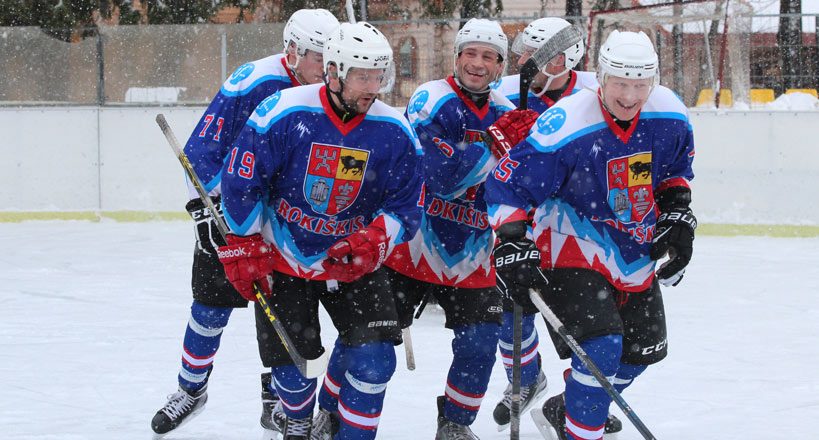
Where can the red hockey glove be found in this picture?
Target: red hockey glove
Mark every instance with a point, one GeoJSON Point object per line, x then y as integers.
{"type": "Point", "coordinates": [247, 259]}
{"type": "Point", "coordinates": [511, 128]}
{"type": "Point", "coordinates": [357, 255]}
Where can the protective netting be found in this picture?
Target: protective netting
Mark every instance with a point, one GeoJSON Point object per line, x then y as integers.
{"type": "Point", "coordinates": [698, 53]}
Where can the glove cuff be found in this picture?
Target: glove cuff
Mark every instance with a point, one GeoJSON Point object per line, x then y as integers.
{"type": "Point", "coordinates": [679, 217]}
{"type": "Point", "coordinates": [199, 210]}
{"type": "Point", "coordinates": [497, 143]}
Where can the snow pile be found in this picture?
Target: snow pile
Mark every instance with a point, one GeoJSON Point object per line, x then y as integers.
{"type": "Point", "coordinates": [794, 101]}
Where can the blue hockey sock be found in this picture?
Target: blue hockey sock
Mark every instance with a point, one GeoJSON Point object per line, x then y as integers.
{"type": "Point", "coordinates": [361, 398]}
{"type": "Point", "coordinates": [529, 367]}
{"type": "Point", "coordinates": [473, 350]}
{"type": "Point", "coordinates": [328, 396]}
{"type": "Point", "coordinates": [587, 403]}
{"type": "Point", "coordinates": [201, 342]}
{"type": "Point", "coordinates": [626, 375]}
{"type": "Point", "coordinates": [297, 393]}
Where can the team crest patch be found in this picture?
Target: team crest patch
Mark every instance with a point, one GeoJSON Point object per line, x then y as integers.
{"type": "Point", "coordinates": [241, 73]}
{"type": "Point", "coordinates": [629, 181]}
{"type": "Point", "coordinates": [334, 176]}
{"type": "Point", "coordinates": [417, 102]}
{"type": "Point", "coordinates": [551, 120]}
{"type": "Point", "coordinates": [265, 106]}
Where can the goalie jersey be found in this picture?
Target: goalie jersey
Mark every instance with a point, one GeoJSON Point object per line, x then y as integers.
{"type": "Point", "coordinates": [453, 245]}
{"type": "Point", "coordinates": [509, 86]}
{"type": "Point", "coordinates": [227, 113]}
{"type": "Point", "coordinates": [593, 183]}
{"type": "Point", "coordinates": [304, 179]}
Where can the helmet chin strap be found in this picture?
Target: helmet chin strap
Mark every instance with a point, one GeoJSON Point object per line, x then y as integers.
{"type": "Point", "coordinates": [548, 82]}
{"type": "Point", "coordinates": [346, 112]}
{"type": "Point", "coordinates": [476, 97]}
{"type": "Point", "coordinates": [295, 65]}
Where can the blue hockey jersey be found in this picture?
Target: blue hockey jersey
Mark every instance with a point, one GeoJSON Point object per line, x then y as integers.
{"type": "Point", "coordinates": [227, 113]}
{"type": "Point", "coordinates": [509, 86]}
{"type": "Point", "coordinates": [304, 179]}
{"type": "Point", "coordinates": [593, 184]}
{"type": "Point", "coordinates": [453, 245]}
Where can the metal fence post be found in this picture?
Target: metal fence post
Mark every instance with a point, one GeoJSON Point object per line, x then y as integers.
{"type": "Point", "coordinates": [100, 69]}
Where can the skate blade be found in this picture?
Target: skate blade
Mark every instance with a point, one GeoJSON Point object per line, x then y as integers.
{"type": "Point", "coordinates": [502, 428]}
{"type": "Point", "coordinates": [184, 422]}
{"type": "Point", "coordinates": [546, 429]}
{"type": "Point", "coordinates": [269, 434]}
{"type": "Point", "coordinates": [610, 436]}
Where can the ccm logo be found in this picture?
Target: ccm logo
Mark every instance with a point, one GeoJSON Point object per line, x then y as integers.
{"type": "Point", "coordinates": [509, 259]}
{"type": "Point", "coordinates": [654, 348]}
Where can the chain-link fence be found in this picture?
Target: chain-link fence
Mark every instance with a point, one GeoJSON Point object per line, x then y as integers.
{"type": "Point", "coordinates": [185, 64]}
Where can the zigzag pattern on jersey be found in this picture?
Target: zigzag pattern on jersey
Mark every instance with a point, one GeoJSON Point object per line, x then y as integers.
{"type": "Point", "coordinates": [567, 240]}
{"type": "Point", "coordinates": [247, 76]}
{"type": "Point", "coordinates": [471, 267]}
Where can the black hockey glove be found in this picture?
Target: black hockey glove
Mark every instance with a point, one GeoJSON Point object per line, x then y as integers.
{"type": "Point", "coordinates": [517, 264]}
{"type": "Point", "coordinates": [674, 235]}
{"type": "Point", "coordinates": [207, 234]}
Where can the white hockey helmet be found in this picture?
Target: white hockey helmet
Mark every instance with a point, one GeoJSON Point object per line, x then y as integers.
{"type": "Point", "coordinates": [540, 31]}
{"type": "Point", "coordinates": [308, 29]}
{"type": "Point", "coordinates": [359, 45]}
{"type": "Point", "coordinates": [628, 55]}
{"type": "Point", "coordinates": [484, 32]}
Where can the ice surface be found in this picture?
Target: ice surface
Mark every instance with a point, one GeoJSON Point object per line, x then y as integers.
{"type": "Point", "coordinates": [93, 316]}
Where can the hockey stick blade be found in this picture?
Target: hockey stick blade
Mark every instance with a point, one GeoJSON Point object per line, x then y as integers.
{"type": "Point", "coordinates": [408, 351]}
{"type": "Point", "coordinates": [309, 368]}
{"type": "Point", "coordinates": [527, 74]}
{"type": "Point", "coordinates": [558, 327]}
{"type": "Point", "coordinates": [561, 41]}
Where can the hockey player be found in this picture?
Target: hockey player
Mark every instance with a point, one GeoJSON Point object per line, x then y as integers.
{"type": "Point", "coordinates": [213, 297]}
{"type": "Point", "coordinates": [449, 257]}
{"type": "Point", "coordinates": [555, 81]}
{"type": "Point", "coordinates": [321, 185]}
{"type": "Point", "coordinates": [608, 174]}
{"type": "Point", "coordinates": [558, 78]}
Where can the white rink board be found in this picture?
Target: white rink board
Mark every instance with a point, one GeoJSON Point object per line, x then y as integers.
{"type": "Point", "coordinates": [752, 167]}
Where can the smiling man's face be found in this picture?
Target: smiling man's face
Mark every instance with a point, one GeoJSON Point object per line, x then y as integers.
{"type": "Point", "coordinates": [625, 97]}
{"type": "Point", "coordinates": [477, 66]}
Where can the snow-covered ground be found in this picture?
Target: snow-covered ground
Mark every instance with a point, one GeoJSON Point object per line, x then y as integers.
{"type": "Point", "coordinates": [93, 314]}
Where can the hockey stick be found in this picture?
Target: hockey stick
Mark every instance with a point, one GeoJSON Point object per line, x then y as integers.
{"type": "Point", "coordinates": [527, 74]}
{"type": "Point", "coordinates": [517, 335]}
{"type": "Point", "coordinates": [309, 368]}
{"type": "Point", "coordinates": [558, 327]}
{"type": "Point", "coordinates": [561, 41]}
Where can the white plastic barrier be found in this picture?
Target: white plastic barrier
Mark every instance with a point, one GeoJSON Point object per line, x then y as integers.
{"type": "Point", "coordinates": [751, 167]}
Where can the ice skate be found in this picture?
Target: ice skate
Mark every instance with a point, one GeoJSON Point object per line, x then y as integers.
{"type": "Point", "coordinates": [180, 408]}
{"type": "Point", "coordinates": [272, 419]}
{"type": "Point", "coordinates": [528, 396]}
{"type": "Point", "coordinates": [325, 425]}
{"type": "Point", "coordinates": [551, 420]}
{"type": "Point", "coordinates": [297, 429]}
{"type": "Point", "coordinates": [449, 430]}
